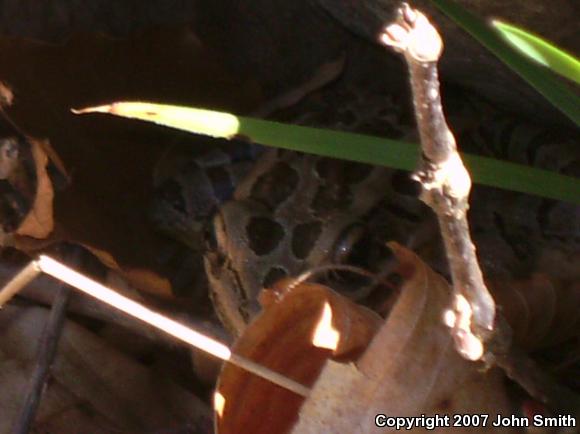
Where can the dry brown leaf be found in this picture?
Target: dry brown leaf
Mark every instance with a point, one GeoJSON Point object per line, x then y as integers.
{"type": "Point", "coordinates": [39, 222]}
{"type": "Point", "coordinates": [93, 387]}
{"type": "Point", "coordinates": [409, 369]}
{"type": "Point", "coordinates": [281, 339]}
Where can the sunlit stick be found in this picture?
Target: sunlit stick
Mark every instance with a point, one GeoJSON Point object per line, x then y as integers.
{"type": "Point", "coordinates": [23, 278]}
{"type": "Point", "coordinates": [130, 307]}
{"type": "Point", "coordinates": [181, 332]}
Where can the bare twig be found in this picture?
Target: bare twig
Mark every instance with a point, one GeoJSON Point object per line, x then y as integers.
{"type": "Point", "coordinates": [169, 326]}
{"type": "Point", "coordinates": [45, 355]}
{"type": "Point", "coordinates": [446, 185]}
{"type": "Point", "coordinates": [181, 332]}
{"type": "Point", "coordinates": [23, 278]}
{"type": "Point", "coordinates": [47, 347]}
{"type": "Point", "coordinates": [45, 290]}
{"type": "Point", "coordinates": [446, 182]}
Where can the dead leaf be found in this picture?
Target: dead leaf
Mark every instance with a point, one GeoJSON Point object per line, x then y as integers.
{"type": "Point", "coordinates": [39, 221]}
{"type": "Point", "coordinates": [410, 369]}
{"type": "Point", "coordinates": [6, 96]}
{"type": "Point", "coordinates": [281, 339]}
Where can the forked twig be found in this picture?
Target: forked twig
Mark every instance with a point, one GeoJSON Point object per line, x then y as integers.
{"type": "Point", "coordinates": [477, 328]}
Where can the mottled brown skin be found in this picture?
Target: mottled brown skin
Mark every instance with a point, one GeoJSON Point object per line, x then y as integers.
{"type": "Point", "coordinates": [292, 212]}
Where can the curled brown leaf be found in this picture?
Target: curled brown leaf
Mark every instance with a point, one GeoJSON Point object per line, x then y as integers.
{"type": "Point", "coordinates": [281, 338]}
{"type": "Point", "coordinates": [39, 222]}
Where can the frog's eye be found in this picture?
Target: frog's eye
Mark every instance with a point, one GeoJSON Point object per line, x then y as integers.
{"type": "Point", "coordinates": [351, 246]}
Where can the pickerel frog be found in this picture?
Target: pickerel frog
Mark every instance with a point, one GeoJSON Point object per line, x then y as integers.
{"type": "Point", "coordinates": [292, 212]}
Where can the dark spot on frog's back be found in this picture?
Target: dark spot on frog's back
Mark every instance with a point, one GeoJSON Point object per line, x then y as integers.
{"type": "Point", "coordinates": [264, 235]}
{"type": "Point", "coordinates": [304, 237]}
{"type": "Point", "coordinates": [275, 186]}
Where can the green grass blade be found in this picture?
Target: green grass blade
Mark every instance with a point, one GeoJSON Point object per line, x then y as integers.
{"type": "Point", "coordinates": [540, 50]}
{"type": "Point", "coordinates": [349, 146]}
{"type": "Point", "coordinates": [540, 78]}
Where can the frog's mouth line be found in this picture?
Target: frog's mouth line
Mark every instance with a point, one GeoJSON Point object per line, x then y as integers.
{"type": "Point", "coordinates": [228, 304]}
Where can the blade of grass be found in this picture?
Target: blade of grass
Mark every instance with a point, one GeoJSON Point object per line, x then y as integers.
{"type": "Point", "coordinates": [348, 146]}
{"type": "Point", "coordinates": [540, 50]}
{"type": "Point", "coordinates": [540, 78]}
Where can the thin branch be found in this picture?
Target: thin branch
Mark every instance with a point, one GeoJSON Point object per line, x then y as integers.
{"type": "Point", "coordinates": [157, 320]}
{"type": "Point", "coordinates": [446, 182]}
{"type": "Point", "coordinates": [46, 352]}
{"type": "Point", "coordinates": [23, 278]}
{"type": "Point", "coordinates": [169, 326]}
{"type": "Point", "coordinates": [45, 290]}
{"type": "Point", "coordinates": [446, 186]}
{"type": "Point", "coordinates": [47, 347]}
